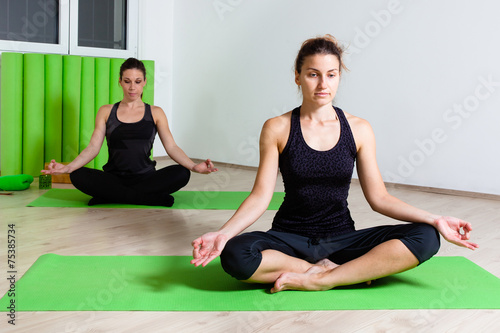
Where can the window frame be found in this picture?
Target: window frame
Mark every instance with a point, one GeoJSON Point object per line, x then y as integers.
{"type": "Point", "coordinates": [61, 47]}
{"type": "Point", "coordinates": [132, 34]}
{"type": "Point", "coordinates": [68, 35]}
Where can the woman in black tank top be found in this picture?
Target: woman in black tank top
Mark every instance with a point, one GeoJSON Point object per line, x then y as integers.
{"type": "Point", "coordinates": [313, 243]}
{"type": "Point", "coordinates": [130, 127]}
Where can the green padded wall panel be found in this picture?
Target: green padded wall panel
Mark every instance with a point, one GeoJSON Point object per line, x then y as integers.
{"type": "Point", "coordinates": [101, 98]}
{"type": "Point", "coordinates": [148, 93]}
{"type": "Point", "coordinates": [115, 90]}
{"type": "Point", "coordinates": [53, 107]}
{"type": "Point", "coordinates": [72, 71]}
{"type": "Point", "coordinates": [33, 113]}
{"type": "Point", "coordinates": [87, 104]}
{"type": "Point", "coordinates": [11, 160]}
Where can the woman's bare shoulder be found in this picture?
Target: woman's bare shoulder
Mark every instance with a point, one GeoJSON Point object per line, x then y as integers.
{"type": "Point", "coordinates": [361, 130]}
{"type": "Point", "coordinates": [276, 130]}
{"type": "Point", "coordinates": [155, 108]}
{"type": "Point", "coordinates": [104, 111]}
{"type": "Point", "coordinates": [278, 123]}
{"type": "Point", "coordinates": [356, 123]}
{"type": "Point", "coordinates": [106, 107]}
{"type": "Point", "coordinates": [158, 114]}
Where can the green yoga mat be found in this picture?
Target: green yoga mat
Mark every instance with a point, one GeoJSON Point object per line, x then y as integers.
{"type": "Point", "coordinates": [170, 283]}
{"type": "Point", "coordinates": [183, 200]}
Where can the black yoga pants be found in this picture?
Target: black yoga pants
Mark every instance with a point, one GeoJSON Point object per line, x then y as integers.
{"type": "Point", "coordinates": [153, 188]}
{"type": "Point", "coordinates": [242, 254]}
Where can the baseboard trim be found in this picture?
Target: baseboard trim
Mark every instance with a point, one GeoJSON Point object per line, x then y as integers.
{"type": "Point", "coordinates": [444, 191]}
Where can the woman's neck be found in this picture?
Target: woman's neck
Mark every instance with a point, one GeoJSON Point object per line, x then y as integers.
{"type": "Point", "coordinates": [317, 112]}
{"type": "Point", "coordinates": [127, 103]}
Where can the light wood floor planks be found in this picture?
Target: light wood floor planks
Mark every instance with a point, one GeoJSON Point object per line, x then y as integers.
{"type": "Point", "coordinates": [91, 231]}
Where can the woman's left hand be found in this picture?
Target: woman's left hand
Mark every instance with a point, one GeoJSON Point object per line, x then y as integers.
{"type": "Point", "coordinates": [205, 167]}
{"type": "Point", "coordinates": [455, 231]}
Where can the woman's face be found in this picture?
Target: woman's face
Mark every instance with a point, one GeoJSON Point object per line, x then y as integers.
{"type": "Point", "coordinates": [132, 83]}
{"type": "Point", "coordinates": [319, 78]}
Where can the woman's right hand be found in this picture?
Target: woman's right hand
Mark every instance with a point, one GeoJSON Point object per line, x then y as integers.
{"type": "Point", "coordinates": [208, 247]}
{"type": "Point", "coordinates": [54, 168]}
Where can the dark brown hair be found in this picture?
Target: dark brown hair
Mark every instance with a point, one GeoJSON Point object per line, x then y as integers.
{"type": "Point", "coordinates": [132, 63]}
{"type": "Point", "coordinates": [326, 44]}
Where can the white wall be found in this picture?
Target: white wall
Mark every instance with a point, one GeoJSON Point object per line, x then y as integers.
{"type": "Point", "coordinates": [412, 65]}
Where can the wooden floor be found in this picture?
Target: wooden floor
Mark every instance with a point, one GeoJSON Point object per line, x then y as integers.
{"type": "Point", "coordinates": [119, 232]}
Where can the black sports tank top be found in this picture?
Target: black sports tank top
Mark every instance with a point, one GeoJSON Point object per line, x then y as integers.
{"type": "Point", "coordinates": [316, 184]}
{"type": "Point", "coordinates": [129, 144]}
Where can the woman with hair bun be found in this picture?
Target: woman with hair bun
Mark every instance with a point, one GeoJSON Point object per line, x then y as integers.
{"type": "Point", "coordinates": [313, 244]}
{"type": "Point", "coordinates": [130, 127]}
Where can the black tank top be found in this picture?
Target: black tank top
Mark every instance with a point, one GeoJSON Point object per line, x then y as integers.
{"type": "Point", "coordinates": [316, 184]}
{"type": "Point", "coordinates": [129, 144]}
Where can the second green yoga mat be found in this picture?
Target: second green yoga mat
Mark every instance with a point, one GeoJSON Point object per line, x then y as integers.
{"type": "Point", "coordinates": [183, 200]}
{"type": "Point", "coordinates": [171, 283]}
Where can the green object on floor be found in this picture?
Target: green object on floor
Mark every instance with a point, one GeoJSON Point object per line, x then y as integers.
{"type": "Point", "coordinates": [171, 283]}
{"type": "Point", "coordinates": [15, 182]}
{"type": "Point", "coordinates": [183, 200]}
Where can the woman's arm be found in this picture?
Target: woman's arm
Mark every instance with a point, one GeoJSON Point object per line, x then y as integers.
{"type": "Point", "coordinates": [90, 152]}
{"type": "Point", "coordinates": [454, 230]}
{"type": "Point", "coordinates": [210, 245]}
{"type": "Point", "coordinates": [174, 151]}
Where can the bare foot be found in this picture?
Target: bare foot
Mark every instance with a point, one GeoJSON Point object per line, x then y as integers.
{"type": "Point", "coordinates": [289, 281]}
{"type": "Point", "coordinates": [321, 266]}
{"type": "Point", "coordinates": [296, 281]}
{"type": "Point", "coordinates": [327, 265]}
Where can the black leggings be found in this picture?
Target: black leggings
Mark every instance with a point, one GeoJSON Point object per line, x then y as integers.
{"type": "Point", "coordinates": [152, 189]}
{"type": "Point", "coordinates": [242, 254]}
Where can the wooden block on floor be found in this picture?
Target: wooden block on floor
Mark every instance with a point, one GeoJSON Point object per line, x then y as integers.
{"type": "Point", "coordinates": [63, 178]}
